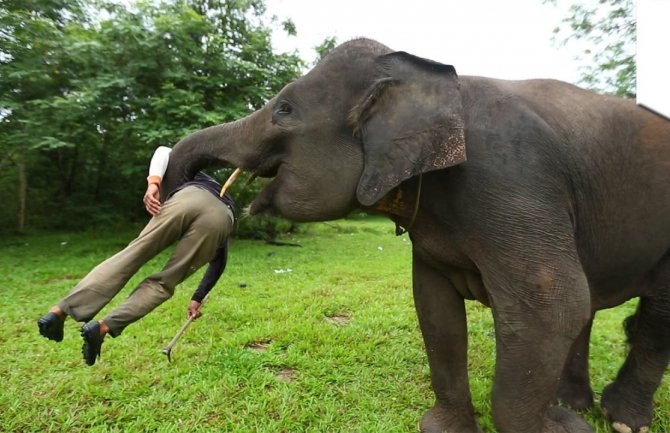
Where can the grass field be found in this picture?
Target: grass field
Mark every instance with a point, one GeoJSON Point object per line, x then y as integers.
{"type": "Point", "coordinates": [321, 338]}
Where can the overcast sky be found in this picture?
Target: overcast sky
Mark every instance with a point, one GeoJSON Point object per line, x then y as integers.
{"type": "Point", "coordinates": [496, 38]}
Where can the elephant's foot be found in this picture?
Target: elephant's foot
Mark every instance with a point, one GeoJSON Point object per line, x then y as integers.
{"type": "Point", "coordinates": [627, 414]}
{"type": "Point", "coordinates": [440, 419]}
{"type": "Point", "coordinates": [560, 420]}
{"type": "Point", "coordinates": [578, 396]}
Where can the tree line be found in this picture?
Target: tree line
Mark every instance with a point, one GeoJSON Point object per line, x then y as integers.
{"type": "Point", "coordinates": [89, 89]}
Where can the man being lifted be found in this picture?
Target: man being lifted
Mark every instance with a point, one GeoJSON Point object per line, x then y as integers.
{"type": "Point", "coordinates": [195, 217]}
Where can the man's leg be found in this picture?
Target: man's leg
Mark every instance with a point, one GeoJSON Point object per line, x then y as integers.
{"type": "Point", "coordinates": [108, 278]}
{"type": "Point", "coordinates": [209, 224]}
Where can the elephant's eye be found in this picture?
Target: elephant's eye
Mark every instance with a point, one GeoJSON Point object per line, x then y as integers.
{"type": "Point", "coordinates": [284, 108]}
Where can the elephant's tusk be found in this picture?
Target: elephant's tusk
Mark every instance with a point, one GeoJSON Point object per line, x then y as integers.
{"type": "Point", "coordinates": [230, 181]}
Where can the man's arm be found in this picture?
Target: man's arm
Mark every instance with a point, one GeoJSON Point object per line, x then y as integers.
{"type": "Point", "coordinates": [157, 167]}
{"type": "Point", "coordinates": [212, 275]}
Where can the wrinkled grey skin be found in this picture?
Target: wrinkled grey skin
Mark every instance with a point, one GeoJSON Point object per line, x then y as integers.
{"type": "Point", "coordinates": [544, 201]}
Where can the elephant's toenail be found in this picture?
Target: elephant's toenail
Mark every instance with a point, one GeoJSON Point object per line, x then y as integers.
{"type": "Point", "coordinates": [644, 430]}
{"type": "Point", "coordinates": [621, 427]}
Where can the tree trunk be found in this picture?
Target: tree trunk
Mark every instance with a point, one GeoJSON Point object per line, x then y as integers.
{"type": "Point", "coordinates": [5, 161]}
{"type": "Point", "coordinates": [101, 170]}
{"type": "Point", "coordinates": [23, 193]}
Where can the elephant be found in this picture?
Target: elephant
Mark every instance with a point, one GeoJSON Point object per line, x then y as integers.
{"type": "Point", "coordinates": [541, 200]}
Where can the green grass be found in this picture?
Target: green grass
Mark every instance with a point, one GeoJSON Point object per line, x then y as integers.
{"type": "Point", "coordinates": [331, 346]}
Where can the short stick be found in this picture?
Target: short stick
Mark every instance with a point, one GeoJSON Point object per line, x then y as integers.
{"type": "Point", "coordinates": [168, 349]}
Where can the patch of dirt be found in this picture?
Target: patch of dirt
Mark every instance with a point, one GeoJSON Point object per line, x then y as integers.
{"type": "Point", "coordinates": [260, 346]}
{"type": "Point", "coordinates": [286, 375]}
{"type": "Point", "coordinates": [338, 319]}
{"type": "Point", "coordinates": [323, 293]}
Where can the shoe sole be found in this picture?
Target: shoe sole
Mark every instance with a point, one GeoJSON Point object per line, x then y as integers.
{"type": "Point", "coordinates": [89, 357]}
{"type": "Point", "coordinates": [50, 330]}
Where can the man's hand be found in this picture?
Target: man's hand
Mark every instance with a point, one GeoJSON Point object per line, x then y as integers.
{"type": "Point", "coordinates": [194, 310]}
{"type": "Point", "coordinates": [152, 199]}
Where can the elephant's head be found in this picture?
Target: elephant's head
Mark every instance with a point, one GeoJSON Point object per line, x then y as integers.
{"type": "Point", "coordinates": [355, 127]}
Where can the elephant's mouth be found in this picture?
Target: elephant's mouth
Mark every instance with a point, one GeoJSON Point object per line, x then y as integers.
{"type": "Point", "coordinates": [264, 201]}
{"type": "Point", "coordinates": [268, 169]}
{"type": "Point", "coordinates": [264, 171]}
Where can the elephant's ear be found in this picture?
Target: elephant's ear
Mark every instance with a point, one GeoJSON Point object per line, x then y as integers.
{"type": "Point", "coordinates": [410, 122]}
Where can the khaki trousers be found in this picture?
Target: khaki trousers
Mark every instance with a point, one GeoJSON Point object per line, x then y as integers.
{"type": "Point", "coordinates": [195, 218]}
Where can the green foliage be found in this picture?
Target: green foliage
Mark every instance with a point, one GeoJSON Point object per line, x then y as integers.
{"type": "Point", "coordinates": [325, 47]}
{"type": "Point", "coordinates": [606, 31]}
{"type": "Point", "coordinates": [88, 93]}
{"type": "Point", "coordinates": [331, 346]}
{"type": "Point", "coordinates": [264, 227]}
{"type": "Point", "coordinates": [289, 27]}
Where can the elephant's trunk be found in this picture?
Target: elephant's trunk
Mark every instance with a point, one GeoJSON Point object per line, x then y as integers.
{"type": "Point", "coordinates": [216, 146]}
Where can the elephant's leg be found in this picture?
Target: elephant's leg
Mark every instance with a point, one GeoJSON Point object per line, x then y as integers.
{"type": "Point", "coordinates": [575, 389]}
{"type": "Point", "coordinates": [441, 313]}
{"type": "Point", "coordinates": [539, 312]}
{"type": "Point", "coordinates": [628, 400]}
